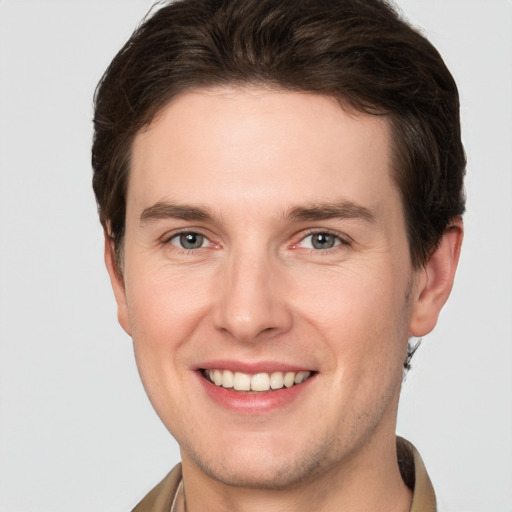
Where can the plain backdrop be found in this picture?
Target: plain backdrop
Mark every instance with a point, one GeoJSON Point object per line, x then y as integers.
{"type": "Point", "coordinates": [77, 433]}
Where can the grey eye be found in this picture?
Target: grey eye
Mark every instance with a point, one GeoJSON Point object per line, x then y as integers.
{"type": "Point", "coordinates": [189, 241]}
{"type": "Point", "coordinates": [320, 241]}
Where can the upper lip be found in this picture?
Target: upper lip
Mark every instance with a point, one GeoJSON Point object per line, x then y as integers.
{"type": "Point", "coordinates": [252, 367]}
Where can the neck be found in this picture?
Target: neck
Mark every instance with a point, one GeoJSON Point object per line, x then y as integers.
{"type": "Point", "coordinates": [359, 484]}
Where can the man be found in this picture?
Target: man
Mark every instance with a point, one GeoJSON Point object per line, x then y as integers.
{"type": "Point", "coordinates": [280, 184]}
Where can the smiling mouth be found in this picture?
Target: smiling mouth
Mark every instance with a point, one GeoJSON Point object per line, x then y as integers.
{"type": "Point", "coordinates": [258, 382]}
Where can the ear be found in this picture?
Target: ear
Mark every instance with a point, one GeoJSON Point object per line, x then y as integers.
{"type": "Point", "coordinates": [117, 281]}
{"type": "Point", "coordinates": [435, 280]}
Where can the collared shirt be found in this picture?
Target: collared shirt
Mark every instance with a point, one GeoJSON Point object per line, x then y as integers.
{"type": "Point", "coordinates": [412, 469]}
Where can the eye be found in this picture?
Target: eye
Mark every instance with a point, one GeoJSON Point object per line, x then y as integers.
{"type": "Point", "coordinates": [320, 241]}
{"type": "Point", "coordinates": [189, 241]}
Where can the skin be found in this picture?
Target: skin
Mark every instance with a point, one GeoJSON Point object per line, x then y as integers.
{"type": "Point", "coordinates": [257, 291]}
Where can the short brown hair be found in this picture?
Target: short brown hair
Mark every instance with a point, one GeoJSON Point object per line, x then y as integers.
{"type": "Point", "coordinates": [359, 51]}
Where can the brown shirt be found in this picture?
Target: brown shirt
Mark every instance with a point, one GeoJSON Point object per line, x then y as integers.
{"type": "Point", "coordinates": [411, 467]}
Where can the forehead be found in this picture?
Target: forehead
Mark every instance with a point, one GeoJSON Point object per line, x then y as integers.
{"type": "Point", "coordinates": [252, 145]}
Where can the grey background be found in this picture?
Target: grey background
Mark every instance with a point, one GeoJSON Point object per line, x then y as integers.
{"type": "Point", "coordinates": [76, 430]}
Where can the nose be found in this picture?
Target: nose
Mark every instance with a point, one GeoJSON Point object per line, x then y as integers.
{"type": "Point", "coordinates": [251, 301]}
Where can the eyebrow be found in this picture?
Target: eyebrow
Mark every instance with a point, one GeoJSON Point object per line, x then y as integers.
{"type": "Point", "coordinates": [309, 212]}
{"type": "Point", "coordinates": [336, 210]}
{"type": "Point", "coordinates": [164, 210]}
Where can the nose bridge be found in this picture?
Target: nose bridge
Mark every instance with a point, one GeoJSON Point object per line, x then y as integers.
{"type": "Point", "coordinates": [250, 302]}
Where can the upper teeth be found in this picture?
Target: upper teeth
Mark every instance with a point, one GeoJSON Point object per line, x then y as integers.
{"type": "Point", "coordinates": [257, 382]}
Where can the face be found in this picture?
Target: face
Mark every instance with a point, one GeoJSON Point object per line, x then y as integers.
{"type": "Point", "coordinates": [267, 282]}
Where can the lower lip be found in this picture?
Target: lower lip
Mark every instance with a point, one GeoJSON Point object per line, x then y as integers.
{"type": "Point", "coordinates": [251, 402]}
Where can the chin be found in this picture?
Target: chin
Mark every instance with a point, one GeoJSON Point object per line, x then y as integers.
{"type": "Point", "coordinates": [269, 476]}
{"type": "Point", "coordinates": [256, 467]}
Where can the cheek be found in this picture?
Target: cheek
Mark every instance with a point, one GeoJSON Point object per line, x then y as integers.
{"type": "Point", "coordinates": [166, 312]}
{"type": "Point", "coordinates": [362, 315]}
{"type": "Point", "coordinates": [164, 306]}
